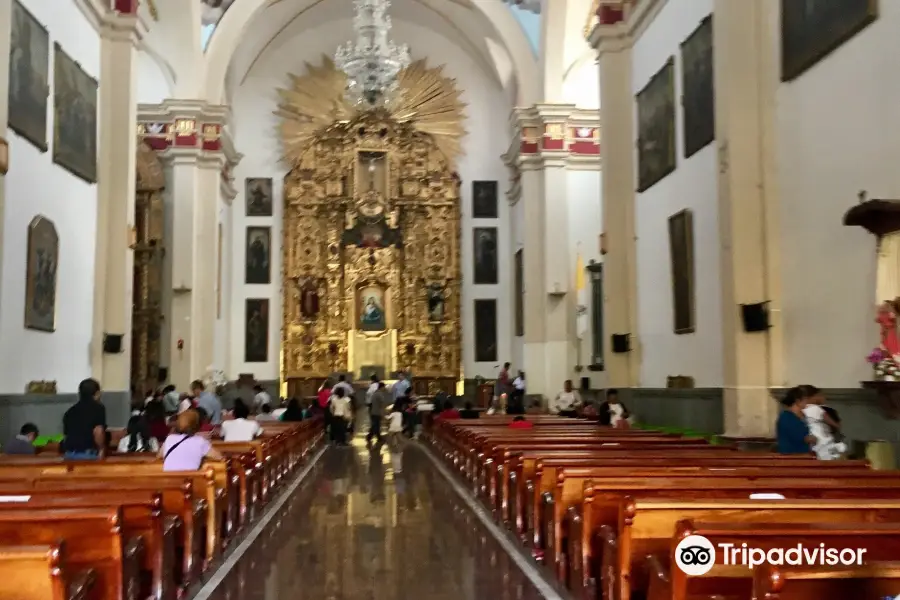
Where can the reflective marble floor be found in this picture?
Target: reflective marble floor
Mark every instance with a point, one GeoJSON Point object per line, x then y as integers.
{"type": "Point", "coordinates": [372, 524]}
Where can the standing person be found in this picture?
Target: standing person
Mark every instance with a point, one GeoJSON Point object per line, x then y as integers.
{"type": "Point", "coordinates": [400, 387]}
{"type": "Point", "coordinates": [373, 387]}
{"type": "Point", "coordinates": [262, 398]}
{"type": "Point", "coordinates": [342, 383]}
{"type": "Point", "coordinates": [791, 428]}
{"type": "Point", "coordinates": [24, 442]}
{"type": "Point", "coordinates": [395, 425]}
{"type": "Point", "coordinates": [502, 386]}
{"type": "Point", "coordinates": [208, 401]}
{"type": "Point", "coordinates": [170, 400]}
{"type": "Point", "coordinates": [84, 425]}
{"type": "Point", "coordinates": [339, 406]}
{"type": "Point", "coordinates": [567, 402]}
{"type": "Point", "coordinates": [517, 398]}
{"type": "Point", "coordinates": [380, 402]}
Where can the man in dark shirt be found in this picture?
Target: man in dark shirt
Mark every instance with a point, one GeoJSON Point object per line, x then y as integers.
{"type": "Point", "coordinates": [84, 425]}
{"type": "Point", "coordinates": [24, 442]}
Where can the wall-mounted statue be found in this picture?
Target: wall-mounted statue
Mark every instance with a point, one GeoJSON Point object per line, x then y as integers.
{"type": "Point", "coordinates": [435, 303]}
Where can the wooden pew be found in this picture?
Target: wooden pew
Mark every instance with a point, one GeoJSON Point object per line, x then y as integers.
{"type": "Point", "coordinates": [878, 541]}
{"type": "Point", "coordinates": [93, 541]}
{"type": "Point", "coordinates": [877, 581]}
{"type": "Point", "coordinates": [646, 527]}
{"type": "Point", "coordinates": [41, 573]}
{"type": "Point", "coordinates": [142, 516]}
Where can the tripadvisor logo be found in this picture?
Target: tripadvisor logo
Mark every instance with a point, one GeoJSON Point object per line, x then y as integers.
{"type": "Point", "coordinates": [695, 555]}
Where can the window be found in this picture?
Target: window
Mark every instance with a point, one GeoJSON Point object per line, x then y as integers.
{"type": "Point", "coordinates": [596, 273]}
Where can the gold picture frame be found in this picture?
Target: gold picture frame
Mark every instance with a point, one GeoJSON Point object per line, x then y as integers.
{"type": "Point", "coordinates": [681, 257]}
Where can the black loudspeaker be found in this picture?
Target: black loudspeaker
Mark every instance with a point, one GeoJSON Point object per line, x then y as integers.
{"type": "Point", "coordinates": [112, 343]}
{"type": "Point", "coordinates": [585, 384]}
{"type": "Point", "coordinates": [162, 374]}
{"type": "Point", "coordinates": [755, 316]}
{"type": "Point", "coordinates": [621, 343]}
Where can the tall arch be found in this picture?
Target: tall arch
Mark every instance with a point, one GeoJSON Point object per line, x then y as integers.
{"type": "Point", "coordinates": [239, 18]}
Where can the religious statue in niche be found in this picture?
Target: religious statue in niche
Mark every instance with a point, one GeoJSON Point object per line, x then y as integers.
{"type": "Point", "coordinates": [309, 302]}
{"type": "Point", "coordinates": [435, 303]}
{"type": "Point", "coordinates": [372, 314]}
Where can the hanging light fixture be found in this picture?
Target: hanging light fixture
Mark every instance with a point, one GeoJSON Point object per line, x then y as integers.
{"type": "Point", "coordinates": [371, 61]}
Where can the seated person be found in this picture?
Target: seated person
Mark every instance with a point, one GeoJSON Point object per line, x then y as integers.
{"type": "Point", "coordinates": [240, 428]}
{"type": "Point", "coordinates": [520, 422]}
{"type": "Point", "coordinates": [468, 412]}
{"type": "Point", "coordinates": [157, 423]}
{"type": "Point", "coordinates": [449, 412]}
{"type": "Point", "coordinates": [293, 412]}
{"type": "Point", "coordinates": [791, 428]}
{"type": "Point", "coordinates": [206, 426]}
{"type": "Point", "coordinates": [137, 437]}
{"type": "Point", "coordinates": [265, 413]}
{"type": "Point", "coordinates": [568, 402]}
{"type": "Point", "coordinates": [184, 450]}
{"type": "Point", "coordinates": [612, 412]}
{"type": "Point", "coordinates": [24, 442]}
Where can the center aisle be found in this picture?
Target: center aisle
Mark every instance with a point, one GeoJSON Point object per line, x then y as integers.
{"type": "Point", "coordinates": [370, 524]}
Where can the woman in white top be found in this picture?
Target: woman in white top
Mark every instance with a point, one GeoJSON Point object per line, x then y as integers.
{"type": "Point", "coordinates": [821, 426]}
{"type": "Point", "coordinates": [567, 402]}
{"type": "Point", "coordinates": [240, 428]}
{"type": "Point", "coordinates": [138, 438]}
{"type": "Point", "coordinates": [341, 412]}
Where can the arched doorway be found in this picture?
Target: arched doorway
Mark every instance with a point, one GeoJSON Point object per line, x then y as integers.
{"type": "Point", "coordinates": [148, 244]}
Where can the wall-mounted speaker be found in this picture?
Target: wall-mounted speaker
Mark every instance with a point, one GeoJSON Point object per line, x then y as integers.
{"type": "Point", "coordinates": [621, 343]}
{"type": "Point", "coordinates": [162, 374]}
{"type": "Point", "coordinates": [755, 316]}
{"type": "Point", "coordinates": [112, 343]}
{"type": "Point", "coordinates": [585, 384]}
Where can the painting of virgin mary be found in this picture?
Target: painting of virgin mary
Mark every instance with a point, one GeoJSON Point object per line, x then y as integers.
{"type": "Point", "coordinates": [371, 315]}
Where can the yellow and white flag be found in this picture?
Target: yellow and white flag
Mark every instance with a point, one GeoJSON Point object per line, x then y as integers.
{"type": "Point", "coordinates": [581, 309]}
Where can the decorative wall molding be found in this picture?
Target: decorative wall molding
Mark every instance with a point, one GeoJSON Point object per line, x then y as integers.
{"type": "Point", "coordinates": [554, 135]}
{"type": "Point", "coordinates": [621, 22]}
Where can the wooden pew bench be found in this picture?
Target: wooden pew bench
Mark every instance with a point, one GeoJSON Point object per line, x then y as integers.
{"type": "Point", "coordinates": [647, 526]}
{"type": "Point", "coordinates": [41, 573]}
{"type": "Point", "coordinates": [878, 542]}
{"type": "Point", "coordinates": [142, 516]}
{"type": "Point", "coordinates": [877, 581]}
{"type": "Point", "coordinates": [93, 541]}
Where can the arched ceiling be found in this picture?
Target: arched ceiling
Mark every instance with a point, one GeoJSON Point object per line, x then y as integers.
{"type": "Point", "coordinates": [485, 29]}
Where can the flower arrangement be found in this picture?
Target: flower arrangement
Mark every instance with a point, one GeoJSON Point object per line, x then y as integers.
{"type": "Point", "coordinates": [886, 368]}
{"type": "Point", "coordinates": [214, 378]}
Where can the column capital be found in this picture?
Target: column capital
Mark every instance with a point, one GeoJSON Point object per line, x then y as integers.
{"type": "Point", "coordinates": [183, 124]}
{"type": "Point", "coordinates": [620, 22]}
{"type": "Point", "coordinates": [552, 135]}
{"type": "Point", "coordinates": [110, 22]}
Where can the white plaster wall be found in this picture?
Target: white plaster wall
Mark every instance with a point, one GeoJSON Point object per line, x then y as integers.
{"type": "Point", "coordinates": [152, 84]}
{"type": "Point", "coordinates": [581, 85]}
{"type": "Point", "coordinates": [487, 114]}
{"type": "Point", "coordinates": [517, 242]}
{"type": "Point", "coordinates": [37, 186]}
{"type": "Point", "coordinates": [692, 185]}
{"type": "Point", "coordinates": [585, 226]}
{"type": "Point", "coordinates": [836, 135]}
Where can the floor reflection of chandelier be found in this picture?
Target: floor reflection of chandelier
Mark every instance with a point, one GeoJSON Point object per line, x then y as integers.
{"type": "Point", "coordinates": [371, 61]}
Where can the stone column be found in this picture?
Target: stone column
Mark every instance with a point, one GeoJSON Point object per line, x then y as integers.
{"type": "Point", "coordinates": [5, 25]}
{"type": "Point", "coordinates": [547, 148]}
{"type": "Point", "coordinates": [747, 75]}
{"type": "Point", "coordinates": [613, 44]}
{"type": "Point", "coordinates": [188, 134]}
{"type": "Point", "coordinates": [116, 172]}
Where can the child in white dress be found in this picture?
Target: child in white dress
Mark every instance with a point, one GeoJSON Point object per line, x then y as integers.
{"type": "Point", "coordinates": [821, 426]}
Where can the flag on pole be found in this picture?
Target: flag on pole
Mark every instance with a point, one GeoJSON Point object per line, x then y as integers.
{"type": "Point", "coordinates": [581, 311]}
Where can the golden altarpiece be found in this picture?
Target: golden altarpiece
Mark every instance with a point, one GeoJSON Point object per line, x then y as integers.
{"type": "Point", "coordinates": [371, 278]}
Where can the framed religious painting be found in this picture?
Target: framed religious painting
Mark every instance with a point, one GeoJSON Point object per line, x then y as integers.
{"type": "Point", "coordinates": [372, 309]}
{"type": "Point", "coordinates": [519, 291]}
{"type": "Point", "coordinates": [656, 127]}
{"type": "Point", "coordinates": [258, 196]}
{"type": "Point", "coordinates": [681, 255]}
{"type": "Point", "coordinates": [812, 29]}
{"type": "Point", "coordinates": [486, 330]}
{"type": "Point", "coordinates": [75, 117]}
{"type": "Point", "coordinates": [258, 268]}
{"type": "Point", "coordinates": [484, 200]}
{"type": "Point", "coordinates": [698, 88]}
{"type": "Point", "coordinates": [256, 330]}
{"type": "Point", "coordinates": [485, 245]}
{"type": "Point", "coordinates": [40, 275]}
{"type": "Point", "coordinates": [29, 76]}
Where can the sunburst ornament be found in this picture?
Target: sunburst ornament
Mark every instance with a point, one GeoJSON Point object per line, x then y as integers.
{"type": "Point", "coordinates": [426, 99]}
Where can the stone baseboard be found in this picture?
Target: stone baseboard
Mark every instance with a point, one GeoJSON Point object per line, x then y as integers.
{"type": "Point", "coordinates": [46, 411]}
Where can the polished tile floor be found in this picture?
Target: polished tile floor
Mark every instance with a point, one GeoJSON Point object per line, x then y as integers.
{"type": "Point", "coordinates": [375, 524]}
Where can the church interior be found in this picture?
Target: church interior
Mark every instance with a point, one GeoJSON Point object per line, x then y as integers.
{"type": "Point", "coordinates": [681, 207]}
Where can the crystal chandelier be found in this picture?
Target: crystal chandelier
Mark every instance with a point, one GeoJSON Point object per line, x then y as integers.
{"type": "Point", "coordinates": [371, 62]}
